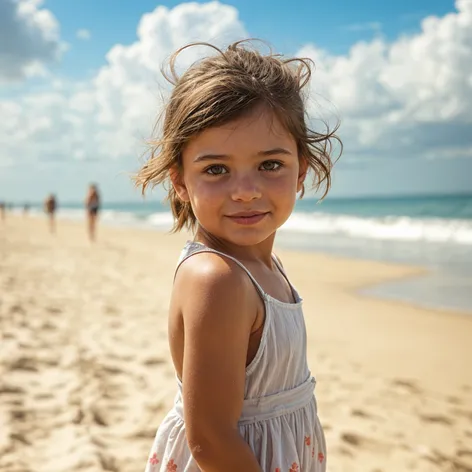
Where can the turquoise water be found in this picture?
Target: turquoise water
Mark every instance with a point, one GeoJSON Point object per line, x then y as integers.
{"type": "Point", "coordinates": [434, 206]}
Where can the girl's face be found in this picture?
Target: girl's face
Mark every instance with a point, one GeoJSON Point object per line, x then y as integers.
{"type": "Point", "coordinates": [242, 178]}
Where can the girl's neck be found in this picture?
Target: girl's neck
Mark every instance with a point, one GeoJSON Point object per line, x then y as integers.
{"type": "Point", "coordinates": [261, 252]}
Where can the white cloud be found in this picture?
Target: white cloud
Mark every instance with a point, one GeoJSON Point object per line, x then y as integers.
{"type": "Point", "coordinates": [83, 34]}
{"type": "Point", "coordinates": [412, 98]}
{"type": "Point", "coordinates": [29, 39]}
{"type": "Point", "coordinates": [112, 115]}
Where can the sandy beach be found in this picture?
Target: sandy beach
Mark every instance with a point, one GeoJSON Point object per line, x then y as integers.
{"type": "Point", "coordinates": [86, 377]}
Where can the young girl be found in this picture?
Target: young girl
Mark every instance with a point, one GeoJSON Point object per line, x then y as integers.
{"type": "Point", "coordinates": [236, 149]}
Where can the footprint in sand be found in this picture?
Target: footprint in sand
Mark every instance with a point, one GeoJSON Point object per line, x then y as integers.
{"type": "Point", "coordinates": [351, 438]}
{"type": "Point", "coordinates": [454, 400]}
{"type": "Point", "coordinates": [17, 309]}
{"type": "Point", "coordinates": [110, 309]}
{"type": "Point", "coordinates": [360, 413]}
{"type": "Point", "coordinates": [154, 361]}
{"type": "Point", "coordinates": [408, 385]}
{"type": "Point", "coordinates": [456, 463]}
{"type": "Point", "coordinates": [79, 416]}
{"type": "Point", "coordinates": [464, 453]}
{"type": "Point", "coordinates": [108, 462]}
{"type": "Point", "coordinates": [98, 416]}
{"type": "Point", "coordinates": [48, 326]}
{"type": "Point", "coordinates": [362, 442]}
{"type": "Point", "coordinates": [18, 437]}
{"type": "Point", "coordinates": [112, 369]}
{"type": "Point", "coordinates": [24, 363]}
{"type": "Point", "coordinates": [5, 388]}
{"type": "Point", "coordinates": [20, 414]}
{"type": "Point", "coordinates": [43, 396]}
{"type": "Point", "coordinates": [54, 310]}
{"type": "Point", "coordinates": [438, 419]}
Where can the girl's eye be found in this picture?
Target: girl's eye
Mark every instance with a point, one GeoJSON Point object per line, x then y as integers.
{"type": "Point", "coordinates": [216, 170]}
{"type": "Point", "coordinates": [271, 165]}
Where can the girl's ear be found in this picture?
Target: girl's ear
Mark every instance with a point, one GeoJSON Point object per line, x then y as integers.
{"type": "Point", "coordinates": [178, 184]}
{"type": "Point", "coordinates": [303, 169]}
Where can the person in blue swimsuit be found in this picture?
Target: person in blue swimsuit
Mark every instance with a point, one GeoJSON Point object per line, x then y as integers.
{"type": "Point", "coordinates": [92, 207]}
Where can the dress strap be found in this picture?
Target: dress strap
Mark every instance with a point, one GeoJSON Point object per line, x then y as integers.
{"type": "Point", "coordinates": [193, 247]}
{"type": "Point", "coordinates": [278, 264]}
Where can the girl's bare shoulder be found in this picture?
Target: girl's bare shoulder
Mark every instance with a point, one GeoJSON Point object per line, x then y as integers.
{"type": "Point", "coordinates": [211, 280]}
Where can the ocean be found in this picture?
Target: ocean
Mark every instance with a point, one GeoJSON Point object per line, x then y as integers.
{"type": "Point", "coordinates": [430, 231]}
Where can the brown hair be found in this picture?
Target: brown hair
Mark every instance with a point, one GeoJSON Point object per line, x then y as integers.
{"type": "Point", "coordinates": [221, 88]}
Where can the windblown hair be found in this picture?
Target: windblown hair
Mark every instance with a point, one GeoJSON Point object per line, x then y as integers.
{"type": "Point", "coordinates": [222, 88]}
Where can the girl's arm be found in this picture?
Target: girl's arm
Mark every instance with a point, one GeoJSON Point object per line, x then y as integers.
{"type": "Point", "coordinates": [219, 309]}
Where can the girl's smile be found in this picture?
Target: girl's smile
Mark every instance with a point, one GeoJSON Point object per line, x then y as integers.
{"type": "Point", "coordinates": [248, 217]}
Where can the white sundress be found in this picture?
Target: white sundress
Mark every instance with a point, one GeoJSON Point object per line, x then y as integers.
{"type": "Point", "coordinates": [279, 419]}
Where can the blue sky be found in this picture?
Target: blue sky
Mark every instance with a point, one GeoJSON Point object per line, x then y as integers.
{"type": "Point", "coordinates": [333, 25]}
{"type": "Point", "coordinates": [75, 113]}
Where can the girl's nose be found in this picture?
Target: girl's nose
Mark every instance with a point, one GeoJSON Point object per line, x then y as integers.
{"type": "Point", "coordinates": [245, 189]}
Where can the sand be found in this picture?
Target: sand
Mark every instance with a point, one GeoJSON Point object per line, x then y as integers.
{"type": "Point", "coordinates": [86, 377]}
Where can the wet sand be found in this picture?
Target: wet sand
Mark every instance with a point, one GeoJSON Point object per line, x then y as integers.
{"type": "Point", "coordinates": [86, 377]}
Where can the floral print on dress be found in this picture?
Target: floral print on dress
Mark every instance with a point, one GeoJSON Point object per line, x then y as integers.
{"type": "Point", "coordinates": [171, 466]}
{"type": "Point", "coordinates": [295, 467]}
{"type": "Point", "coordinates": [153, 460]}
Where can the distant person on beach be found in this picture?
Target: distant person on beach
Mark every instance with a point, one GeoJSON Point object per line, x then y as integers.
{"type": "Point", "coordinates": [26, 208]}
{"type": "Point", "coordinates": [50, 207]}
{"type": "Point", "coordinates": [2, 210]}
{"type": "Point", "coordinates": [92, 206]}
{"type": "Point", "coordinates": [236, 149]}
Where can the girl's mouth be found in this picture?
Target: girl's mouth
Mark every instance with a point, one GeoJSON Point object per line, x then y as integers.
{"type": "Point", "coordinates": [248, 218]}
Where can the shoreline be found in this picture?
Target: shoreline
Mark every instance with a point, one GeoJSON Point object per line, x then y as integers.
{"type": "Point", "coordinates": [377, 290]}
